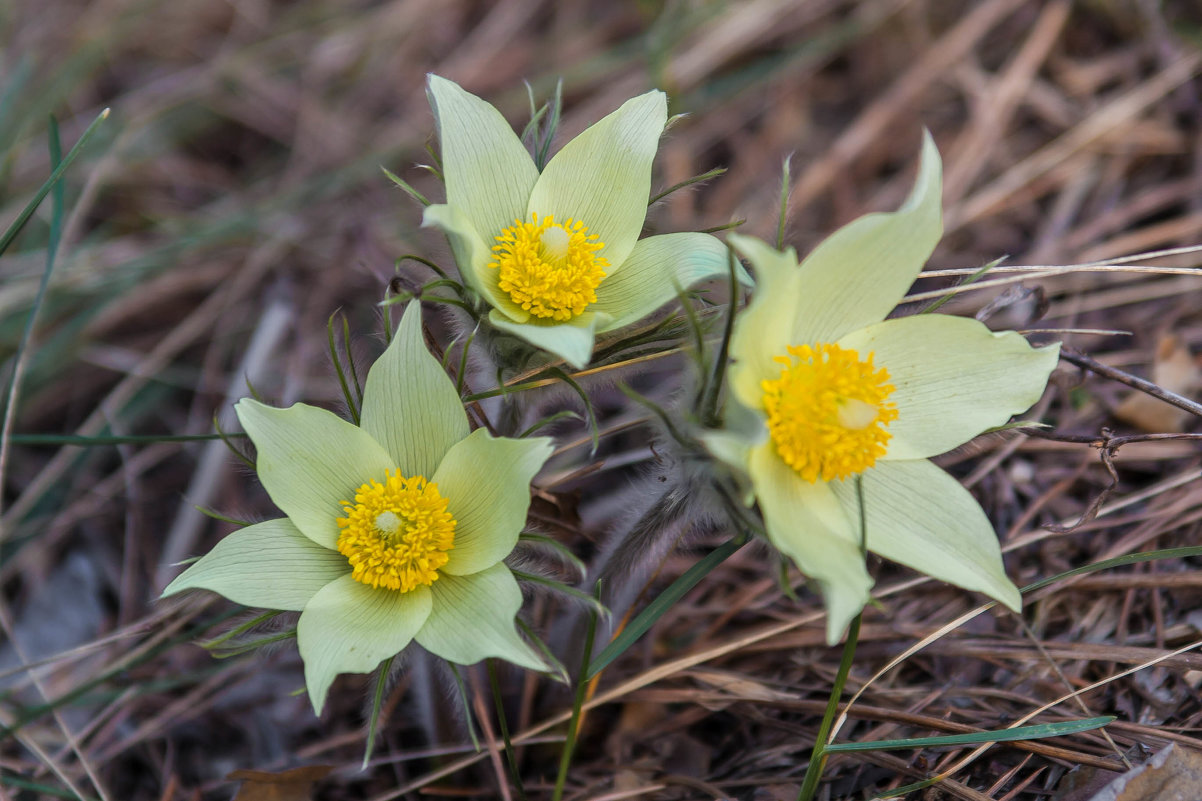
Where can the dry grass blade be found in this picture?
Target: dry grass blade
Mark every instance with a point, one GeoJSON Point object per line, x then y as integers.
{"type": "Point", "coordinates": [243, 166]}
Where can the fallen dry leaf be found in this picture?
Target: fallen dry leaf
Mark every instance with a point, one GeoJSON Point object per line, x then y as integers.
{"type": "Point", "coordinates": [1174, 774]}
{"type": "Point", "coordinates": [287, 785]}
{"type": "Point", "coordinates": [1173, 369]}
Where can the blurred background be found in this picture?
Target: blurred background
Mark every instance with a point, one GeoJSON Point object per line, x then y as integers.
{"type": "Point", "coordinates": [234, 200]}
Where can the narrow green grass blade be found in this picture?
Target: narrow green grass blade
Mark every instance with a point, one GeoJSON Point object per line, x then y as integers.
{"type": "Point", "coordinates": [558, 586]}
{"type": "Point", "coordinates": [377, 701]}
{"type": "Point", "coordinates": [10, 121]}
{"type": "Point", "coordinates": [558, 671]}
{"type": "Point", "coordinates": [563, 551]}
{"type": "Point", "coordinates": [551, 127]}
{"type": "Point", "coordinates": [60, 440]}
{"type": "Point", "coordinates": [696, 179]}
{"type": "Point", "coordinates": [1118, 561]}
{"type": "Point", "coordinates": [663, 602]}
{"type": "Point", "coordinates": [588, 406]}
{"type": "Point", "coordinates": [461, 375]}
{"type": "Point", "coordinates": [350, 361]}
{"type": "Point", "coordinates": [56, 176]}
{"type": "Point", "coordinates": [403, 184]}
{"type": "Point", "coordinates": [503, 723]}
{"type": "Point", "coordinates": [468, 716]}
{"type": "Point", "coordinates": [972, 279]}
{"type": "Point", "coordinates": [785, 183]}
{"type": "Point", "coordinates": [563, 414]}
{"type": "Point", "coordinates": [1038, 731]}
{"type": "Point", "coordinates": [247, 646]}
{"type": "Point", "coordinates": [569, 745]}
{"type": "Point", "coordinates": [222, 639]}
{"type": "Point", "coordinates": [711, 413]}
{"type": "Point", "coordinates": [717, 229]}
{"type": "Point", "coordinates": [342, 381]}
{"type": "Point", "coordinates": [41, 789]}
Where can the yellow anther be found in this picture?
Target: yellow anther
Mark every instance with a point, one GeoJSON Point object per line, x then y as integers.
{"type": "Point", "coordinates": [396, 534]}
{"type": "Point", "coordinates": [550, 270]}
{"type": "Point", "coordinates": [828, 410]}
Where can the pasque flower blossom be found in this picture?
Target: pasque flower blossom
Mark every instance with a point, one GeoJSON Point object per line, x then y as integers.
{"type": "Point", "coordinates": [394, 530]}
{"type": "Point", "coordinates": [825, 392]}
{"type": "Point", "coordinates": [557, 254]}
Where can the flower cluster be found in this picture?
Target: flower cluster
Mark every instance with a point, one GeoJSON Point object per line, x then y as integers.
{"type": "Point", "coordinates": [397, 529]}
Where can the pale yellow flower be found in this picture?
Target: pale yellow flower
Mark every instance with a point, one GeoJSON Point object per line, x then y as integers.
{"type": "Point", "coordinates": [395, 529]}
{"type": "Point", "coordinates": [557, 254]}
{"type": "Point", "coordinates": [825, 391]}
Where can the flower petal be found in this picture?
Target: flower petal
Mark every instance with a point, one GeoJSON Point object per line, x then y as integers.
{"type": "Point", "coordinates": [270, 565]}
{"type": "Point", "coordinates": [920, 516]}
{"type": "Point", "coordinates": [310, 461]}
{"type": "Point", "coordinates": [571, 341]}
{"type": "Point", "coordinates": [473, 257]}
{"type": "Point", "coordinates": [487, 170]}
{"type": "Point", "coordinates": [859, 273]}
{"type": "Point", "coordinates": [486, 481]}
{"type": "Point", "coordinates": [410, 405]}
{"type": "Point", "coordinates": [658, 268]}
{"type": "Point", "coordinates": [807, 524]}
{"type": "Point", "coordinates": [472, 619]}
{"type": "Point", "coordinates": [764, 329]}
{"type": "Point", "coordinates": [350, 627]}
{"type": "Point", "coordinates": [953, 378]}
{"type": "Point", "coordinates": [603, 177]}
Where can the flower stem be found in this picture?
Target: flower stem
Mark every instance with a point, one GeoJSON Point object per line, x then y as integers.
{"type": "Point", "coordinates": [503, 722]}
{"type": "Point", "coordinates": [818, 756]}
{"type": "Point", "coordinates": [569, 745]}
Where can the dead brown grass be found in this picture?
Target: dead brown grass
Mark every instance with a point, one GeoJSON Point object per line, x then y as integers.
{"type": "Point", "coordinates": [241, 175]}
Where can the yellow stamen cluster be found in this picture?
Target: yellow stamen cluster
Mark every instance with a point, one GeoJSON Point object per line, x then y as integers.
{"type": "Point", "coordinates": [550, 270]}
{"type": "Point", "coordinates": [827, 412]}
{"type": "Point", "coordinates": [396, 534]}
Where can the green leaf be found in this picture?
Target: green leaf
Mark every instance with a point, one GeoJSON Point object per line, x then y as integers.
{"type": "Point", "coordinates": [785, 185]}
{"type": "Point", "coordinates": [972, 279]}
{"type": "Point", "coordinates": [562, 414]}
{"type": "Point", "coordinates": [377, 701]}
{"type": "Point", "coordinates": [19, 223]}
{"type": "Point", "coordinates": [569, 745]}
{"type": "Point", "coordinates": [404, 185]}
{"type": "Point", "coordinates": [588, 406]}
{"type": "Point", "coordinates": [558, 586]}
{"type": "Point", "coordinates": [662, 603]}
{"type": "Point", "coordinates": [561, 550]}
{"type": "Point", "coordinates": [352, 403]}
{"type": "Point", "coordinates": [1037, 732]}
{"type": "Point", "coordinates": [1118, 561]}
{"type": "Point", "coordinates": [696, 179]}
